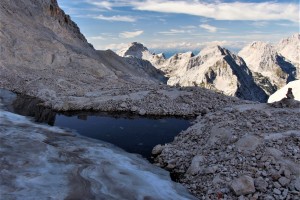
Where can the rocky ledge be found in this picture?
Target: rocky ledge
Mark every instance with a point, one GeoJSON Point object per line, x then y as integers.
{"type": "Point", "coordinates": [241, 152]}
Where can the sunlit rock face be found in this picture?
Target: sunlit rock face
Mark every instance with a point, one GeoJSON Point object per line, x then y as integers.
{"type": "Point", "coordinates": [270, 68]}
{"type": "Point", "coordinates": [214, 68]}
{"type": "Point", "coordinates": [290, 48]}
{"type": "Point", "coordinates": [44, 162]}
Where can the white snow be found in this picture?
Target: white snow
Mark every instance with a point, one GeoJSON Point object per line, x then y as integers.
{"type": "Point", "coordinates": [281, 93]}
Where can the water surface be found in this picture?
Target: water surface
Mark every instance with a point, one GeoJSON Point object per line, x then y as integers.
{"type": "Point", "coordinates": [134, 134]}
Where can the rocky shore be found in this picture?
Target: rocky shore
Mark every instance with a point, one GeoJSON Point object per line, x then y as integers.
{"type": "Point", "coordinates": [241, 152]}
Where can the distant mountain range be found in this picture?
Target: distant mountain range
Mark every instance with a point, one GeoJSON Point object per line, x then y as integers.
{"type": "Point", "coordinates": [255, 73]}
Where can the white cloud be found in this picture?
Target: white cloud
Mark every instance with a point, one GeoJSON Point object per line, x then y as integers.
{"type": "Point", "coordinates": [260, 23]}
{"type": "Point", "coordinates": [174, 32]}
{"type": "Point", "coordinates": [189, 27]}
{"type": "Point", "coordinates": [209, 28]}
{"type": "Point", "coordinates": [133, 34]}
{"type": "Point", "coordinates": [96, 38]}
{"type": "Point", "coordinates": [116, 46]}
{"type": "Point", "coordinates": [102, 4]}
{"type": "Point", "coordinates": [224, 11]}
{"type": "Point", "coordinates": [116, 18]}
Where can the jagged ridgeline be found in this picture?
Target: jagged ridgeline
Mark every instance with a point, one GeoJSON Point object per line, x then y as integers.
{"type": "Point", "coordinates": [255, 73]}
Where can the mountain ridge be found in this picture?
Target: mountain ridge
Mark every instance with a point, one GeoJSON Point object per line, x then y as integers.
{"type": "Point", "coordinates": [264, 63]}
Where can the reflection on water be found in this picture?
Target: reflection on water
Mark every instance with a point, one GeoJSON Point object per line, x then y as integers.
{"type": "Point", "coordinates": [134, 134]}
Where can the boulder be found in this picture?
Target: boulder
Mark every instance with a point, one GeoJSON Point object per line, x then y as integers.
{"type": "Point", "coordinates": [243, 185]}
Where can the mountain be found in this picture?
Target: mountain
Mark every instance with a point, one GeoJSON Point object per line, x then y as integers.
{"type": "Point", "coordinates": [218, 69]}
{"type": "Point", "coordinates": [44, 55]}
{"type": "Point", "coordinates": [138, 50]}
{"type": "Point", "coordinates": [281, 93]}
{"type": "Point", "coordinates": [213, 68]}
{"type": "Point", "coordinates": [40, 43]}
{"type": "Point", "coordinates": [270, 69]}
{"type": "Point", "coordinates": [290, 49]}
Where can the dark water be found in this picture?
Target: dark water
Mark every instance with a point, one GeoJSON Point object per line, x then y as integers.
{"type": "Point", "coordinates": [134, 134]}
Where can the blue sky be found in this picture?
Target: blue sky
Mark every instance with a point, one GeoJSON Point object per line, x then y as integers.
{"type": "Point", "coordinates": [178, 25]}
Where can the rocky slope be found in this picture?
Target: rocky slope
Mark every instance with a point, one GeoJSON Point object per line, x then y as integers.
{"type": "Point", "coordinates": [40, 44]}
{"type": "Point", "coordinates": [241, 152]}
{"type": "Point", "coordinates": [281, 93]}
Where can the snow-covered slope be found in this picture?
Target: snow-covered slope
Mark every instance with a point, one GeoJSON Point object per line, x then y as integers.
{"type": "Point", "coordinates": [281, 93]}
{"type": "Point", "coordinates": [264, 61]}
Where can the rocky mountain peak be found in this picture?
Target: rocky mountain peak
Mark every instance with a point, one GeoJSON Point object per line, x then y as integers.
{"type": "Point", "coordinates": [213, 50]}
{"type": "Point", "coordinates": [52, 8]}
{"type": "Point", "coordinates": [290, 48]}
{"type": "Point", "coordinates": [134, 49]}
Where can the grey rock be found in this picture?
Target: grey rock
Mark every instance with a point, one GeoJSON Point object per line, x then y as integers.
{"type": "Point", "coordinates": [157, 149]}
{"type": "Point", "coordinates": [196, 165]}
{"type": "Point", "coordinates": [285, 193]}
{"type": "Point", "coordinates": [284, 181]}
{"type": "Point", "coordinates": [142, 112]}
{"type": "Point", "coordinates": [123, 105]}
{"type": "Point", "coordinates": [297, 184]}
{"type": "Point", "coordinates": [243, 185]}
{"type": "Point", "coordinates": [276, 191]}
{"type": "Point", "coordinates": [277, 185]}
{"type": "Point", "coordinates": [260, 184]}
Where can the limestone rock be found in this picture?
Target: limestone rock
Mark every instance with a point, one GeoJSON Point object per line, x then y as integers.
{"type": "Point", "coordinates": [196, 165]}
{"type": "Point", "coordinates": [297, 184]}
{"type": "Point", "coordinates": [243, 185]}
{"type": "Point", "coordinates": [284, 181]}
{"type": "Point", "coordinates": [260, 184]}
{"type": "Point", "coordinates": [157, 149]}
